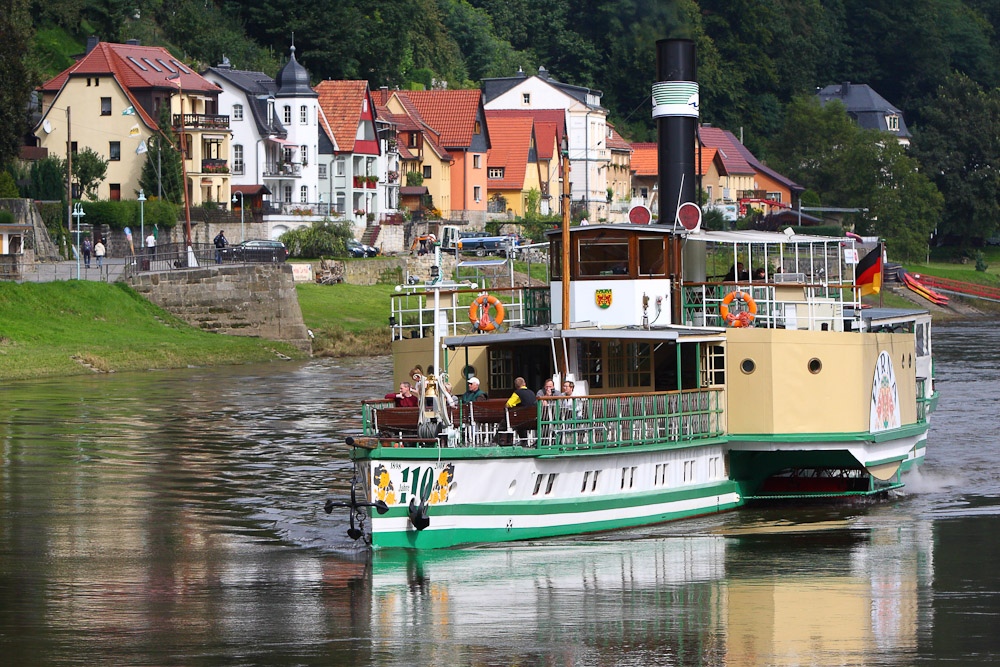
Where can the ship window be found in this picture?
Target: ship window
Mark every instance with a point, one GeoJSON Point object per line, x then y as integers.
{"type": "Point", "coordinates": [586, 478]}
{"type": "Point", "coordinates": [713, 368]}
{"type": "Point", "coordinates": [593, 484]}
{"type": "Point", "coordinates": [555, 259]}
{"type": "Point", "coordinates": [606, 257]}
{"type": "Point", "coordinates": [689, 471]}
{"type": "Point", "coordinates": [651, 257]}
{"type": "Point", "coordinates": [815, 365]}
{"type": "Point", "coordinates": [748, 366]}
{"type": "Point", "coordinates": [591, 363]}
{"type": "Point", "coordinates": [538, 484]}
{"type": "Point", "coordinates": [552, 480]}
{"type": "Point", "coordinates": [629, 364]}
{"type": "Point", "coordinates": [501, 371]}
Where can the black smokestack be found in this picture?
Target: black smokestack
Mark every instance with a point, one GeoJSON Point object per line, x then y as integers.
{"type": "Point", "coordinates": [675, 100]}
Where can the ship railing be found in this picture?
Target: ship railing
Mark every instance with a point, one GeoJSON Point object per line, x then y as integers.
{"type": "Point", "coordinates": [922, 401]}
{"type": "Point", "coordinates": [412, 311]}
{"type": "Point", "coordinates": [564, 424]}
{"type": "Point", "coordinates": [623, 420]}
{"type": "Point", "coordinates": [779, 305]}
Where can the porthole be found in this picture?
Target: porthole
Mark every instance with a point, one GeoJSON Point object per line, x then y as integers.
{"type": "Point", "coordinates": [748, 366]}
{"type": "Point", "coordinates": [468, 372]}
{"type": "Point", "coordinates": [815, 365]}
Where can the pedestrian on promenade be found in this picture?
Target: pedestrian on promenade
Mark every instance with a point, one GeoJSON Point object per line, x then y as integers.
{"type": "Point", "coordinates": [220, 242]}
{"type": "Point", "coordinates": [99, 251]}
{"type": "Point", "coordinates": [86, 252]}
{"type": "Point", "coordinates": [151, 245]}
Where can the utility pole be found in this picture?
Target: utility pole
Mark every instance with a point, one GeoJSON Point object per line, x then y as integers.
{"type": "Point", "coordinates": [565, 244]}
{"type": "Point", "coordinates": [69, 176]}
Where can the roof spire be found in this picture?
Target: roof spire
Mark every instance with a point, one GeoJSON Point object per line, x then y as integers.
{"type": "Point", "coordinates": [293, 44]}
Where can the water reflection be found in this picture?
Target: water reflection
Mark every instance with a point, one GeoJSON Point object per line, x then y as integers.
{"type": "Point", "coordinates": [175, 518]}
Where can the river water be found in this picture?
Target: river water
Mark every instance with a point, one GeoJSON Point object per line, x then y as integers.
{"type": "Point", "coordinates": [176, 517]}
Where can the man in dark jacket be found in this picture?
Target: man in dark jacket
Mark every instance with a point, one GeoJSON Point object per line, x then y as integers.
{"type": "Point", "coordinates": [220, 242]}
{"type": "Point", "coordinates": [473, 393]}
{"type": "Point", "coordinates": [522, 395]}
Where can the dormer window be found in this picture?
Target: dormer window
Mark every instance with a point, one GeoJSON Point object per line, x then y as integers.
{"type": "Point", "coordinates": [477, 128]}
{"type": "Point", "coordinates": [892, 122]}
{"type": "Point", "coordinates": [495, 172]}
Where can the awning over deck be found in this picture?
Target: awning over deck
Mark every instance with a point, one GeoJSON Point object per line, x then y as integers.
{"type": "Point", "coordinates": [539, 335]}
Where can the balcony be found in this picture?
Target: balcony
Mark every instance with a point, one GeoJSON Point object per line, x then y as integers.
{"type": "Point", "coordinates": [200, 121]}
{"type": "Point", "coordinates": [365, 182]}
{"type": "Point", "coordinates": [214, 166]}
{"type": "Point", "coordinates": [282, 170]}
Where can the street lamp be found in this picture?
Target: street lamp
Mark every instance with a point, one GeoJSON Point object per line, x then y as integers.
{"type": "Point", "coordinates": [78, 213]}
{"type": "Point", "coordinates": [241, 213]}
{"type": "Point", "coordinates": [142, 221]}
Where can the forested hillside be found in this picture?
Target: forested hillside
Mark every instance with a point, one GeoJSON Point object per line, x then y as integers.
{"type": "Point", "coordinates": [931, 58]}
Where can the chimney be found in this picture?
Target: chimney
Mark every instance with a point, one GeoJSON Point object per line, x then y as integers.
{"type": "Point", "coordinates": [676, 124]}
{"type": "Point", "coordinates": [542, 72]}
{"type": "Point", "coordinates": [132, 42]}
{"type": "Point", "coordinates": [225, 64]}
{"type": "Point", "coordinates": [845, 88]}
{"type": "Point", "coordinates": [92, 41]}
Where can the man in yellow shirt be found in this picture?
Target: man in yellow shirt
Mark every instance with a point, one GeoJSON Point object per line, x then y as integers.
{"type": "Point", "coordinates": [522, 395]}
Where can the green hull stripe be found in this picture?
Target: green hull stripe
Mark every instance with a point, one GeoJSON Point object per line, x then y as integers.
{"type": "Point", "coordinates": [573, 505]}
{"type": "Point", "coordinates": [896, 433]}
{"type": "Point", "coordinates": [431, 539]}
{"type": "Point", "coordinates": [832, 494]}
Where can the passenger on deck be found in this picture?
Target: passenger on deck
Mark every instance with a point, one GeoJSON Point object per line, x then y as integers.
{"type": "Point", "coordinates": [404, 399]}
{"type": "Point", "coordinates": [522, 395]}
{"type": "Point", "coordinates": [759, 274]}
{"type": "Point", "coordinates": [473, 393]}
{"type": "Point", "coordinates": [737, 272]}
{"type": "Point", "coordinates": [548, 389]}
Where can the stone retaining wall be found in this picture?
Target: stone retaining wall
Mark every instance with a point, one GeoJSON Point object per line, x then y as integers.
{"type": "Point", "coordinates": [256, 300]}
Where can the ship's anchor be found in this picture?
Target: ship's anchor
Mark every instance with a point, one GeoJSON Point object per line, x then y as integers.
{"type": "Point", "coordinates": [418, 514]}
{"type": "Point", "coordinates": [356, 508]}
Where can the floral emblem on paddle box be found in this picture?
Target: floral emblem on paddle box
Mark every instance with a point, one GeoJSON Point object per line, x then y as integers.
{"type": "Point", "coordinates": [603, 298]}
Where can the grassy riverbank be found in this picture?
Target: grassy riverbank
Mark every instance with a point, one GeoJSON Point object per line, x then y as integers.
{"type": "Point", "coordinates": [346, 320]}
{"type": "Point", "coordinates": [71, 327]}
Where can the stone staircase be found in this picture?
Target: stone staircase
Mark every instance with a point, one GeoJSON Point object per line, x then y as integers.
{"type": "Point", "coordinates": [370, 235]}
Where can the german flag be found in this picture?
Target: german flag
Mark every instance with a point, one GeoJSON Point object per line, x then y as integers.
{"type": "Point", "coordinates": [869, 272]}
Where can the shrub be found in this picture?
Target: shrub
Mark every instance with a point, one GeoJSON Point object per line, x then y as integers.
{"type": "Point", "coordinates": [414, 178]}
{"type": "Point", "coordinates": [322, 239]}
{"type": "Point", "coordinates": [160, 212]}
{"type": "Point", "coordinates": [981, 264]}
{"type": "Point", "coordinates": [6, 218]}
{"type": "Point", "coordinates": [114, 214]}
{"type": "Point", "coordinates": [8, 188]}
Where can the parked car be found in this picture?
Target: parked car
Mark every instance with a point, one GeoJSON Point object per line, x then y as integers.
{"type": "Point", "coordinates": [356, 248]}
{"type": "Point", "coordinates": [255, 250]}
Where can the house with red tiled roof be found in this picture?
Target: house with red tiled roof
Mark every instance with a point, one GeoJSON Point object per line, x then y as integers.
{"type": "Point", "coordinates": [619, 176]}
{"type": "Point", "coordinates": [457, 123]}
{"type": "Point", "coordinates": [744, 182]}
{"type": "Point", "coordinates": [512, 164]}
{"type": "Point", "coordinates": [363, 161]}
{"type": "Point", "coordinates": [645, 173]}
{"type": "Point", "coordinates": [550, 130]}
{"type": "Point", "coordinates": [584, 119]}
{"type": "Point", "coordinates": [115, 93]}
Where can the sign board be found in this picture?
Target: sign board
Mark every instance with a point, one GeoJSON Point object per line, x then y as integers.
{"type": "Point", "coordinates": [639, 215]}
{"type": "Point", "coordinates": [689, 216]}
{"type": "Point", "coordinates": [850, 255]}
{"type": "Point", "coordinates": [302, 273]}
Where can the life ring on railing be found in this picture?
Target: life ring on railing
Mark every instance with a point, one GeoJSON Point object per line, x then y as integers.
{"type": "Point", "coordinates": [743, 319]}
{"type": "Point", "coordinates": [479, 312]}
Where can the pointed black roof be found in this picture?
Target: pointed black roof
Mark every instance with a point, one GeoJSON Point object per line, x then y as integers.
{"type": "Point", "coordinates": [293, 79]}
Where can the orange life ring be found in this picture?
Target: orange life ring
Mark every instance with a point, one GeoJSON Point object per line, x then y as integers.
{"type": "Point", "coordinates": [479, 312]}
{"type": "Point", "coordinates": [742, 319]}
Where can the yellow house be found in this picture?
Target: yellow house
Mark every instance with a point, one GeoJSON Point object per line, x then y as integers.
{"type": "Point", "coordinates": [420, 150]}
{"type": "Point", "coordinates": [512, 168]}
{"type": "Point", "coordinates": [110, 100]}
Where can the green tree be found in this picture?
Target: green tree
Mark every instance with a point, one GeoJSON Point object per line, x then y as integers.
{"type": "Point", "coordinates": [959, 146]}
{"type": "Point", "coordinates": [322, 239]}
{"type": "Point", "coordinates": [89, 169]}
{"type": "Point", "coordinates": [161, 172]}
{"type": "Point", "coordinates": [8, 188]}
{"type": "Point", "coordinates": [48, 179]}
{"type": "Point", "coordinates": [414, 178]}
{"type": "Point", "coordinates": [17, 78]}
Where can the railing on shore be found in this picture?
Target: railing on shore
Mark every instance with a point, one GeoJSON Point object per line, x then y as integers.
{"type": "Point", "coordinates": [175, 256]}
{"type": "Point", "coordinates": [412, 312]}
{"type": "Point", "coordinates": [564, 424]}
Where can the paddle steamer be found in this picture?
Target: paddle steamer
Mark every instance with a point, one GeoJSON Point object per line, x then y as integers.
{"type": "Point", "coordinates": [694, 393]}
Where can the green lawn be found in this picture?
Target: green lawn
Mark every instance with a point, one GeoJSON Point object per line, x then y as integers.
{"type": "Point", "coordinates": [71, 327]}
{"type": "Point", "coordinates": [349, 307]}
